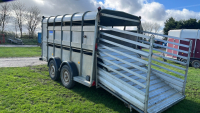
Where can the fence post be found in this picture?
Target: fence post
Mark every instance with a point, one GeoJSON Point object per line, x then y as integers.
{"type": "Point", "coordinates": [149, 73]}
{"type": "Point", "coordinates": [187, 66]}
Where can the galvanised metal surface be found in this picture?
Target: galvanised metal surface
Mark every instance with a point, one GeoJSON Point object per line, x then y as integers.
{"type": "Point", "coordinates": [117, 65]}
{"type": "Point", "coordinates": [123, 71]}
{"type": "Point", "coordinates": [48, 38]}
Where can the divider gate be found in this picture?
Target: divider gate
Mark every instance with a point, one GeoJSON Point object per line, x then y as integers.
{"type": "Point", "coordinates": [122, 71]}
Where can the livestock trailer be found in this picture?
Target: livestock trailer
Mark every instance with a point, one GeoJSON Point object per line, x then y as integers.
{"type": "Point", "coordinates": [192, 34]}
{"type": "Point", "coordinates": [88, 48]}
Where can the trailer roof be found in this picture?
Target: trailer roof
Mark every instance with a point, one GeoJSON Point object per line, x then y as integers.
{"type": "Point", "coordinates": [185, 33]}
{"type": "Point", "coordinates": [107, 18]}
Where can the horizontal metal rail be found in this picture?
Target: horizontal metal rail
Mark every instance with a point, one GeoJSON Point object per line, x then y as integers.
{"type": "Point", "coordinates": [165, 47]}
{"type": "Point", "coordinates": [134, 81]}
{"type": "Point", "coordinates": [125, 40]}
{"type": "Point", "coordinates": [124, 54]}
{"type": "Point", "coordinates": [169, 79]}
{"type": "Point", "coordinates": [166, 36]}
{"type": "Point", "coordinates": [124, 47]}
{"type": "Point", "coordinates": [121, 93]}
{"type": "Point", "coordinates": [169, 59]}
{"type": "Point", "coordinates": [131, 64]}
{"type": "Point", "coordinates": [170, 53]}
{"type": "Point", "coordinates": [166, 58]}
{"type": "Point", "coordinates": [168, 75]}
{"type": "Point", "coordinates": [173, 43]}
{"type": "Point", "coordinates": [118, 17]}
{"type": "Point", "coordinates": [125, 32]}
{"type": "Point", "coordinates": [168, 69]}
{"type": "Point", "coordinates": [169, 64]}
{"type": "Point", "coordinates": [171, 48]}
{"type": "Point", "coordinates": [120, 82]}
{"type": "Point", "coordinates": [125, 69]}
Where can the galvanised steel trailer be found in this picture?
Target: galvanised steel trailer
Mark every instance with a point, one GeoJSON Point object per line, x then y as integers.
{"type": "Point", "coordinates": [88, 49]}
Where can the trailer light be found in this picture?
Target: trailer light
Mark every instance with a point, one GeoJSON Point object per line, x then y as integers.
{"type": "Point", "coordinates": [96, 46]}
{"type": "Point", "coordinates": [78, 62]}
{"type": "Point", "coordinates": [99, 8]}
{"type": "Point", "coordinates": [94, 83]}
{"type": "Point", "coordinates": [52, 54]}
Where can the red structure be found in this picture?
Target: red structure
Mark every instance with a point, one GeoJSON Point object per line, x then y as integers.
{"type": "Point", "coordinates": [192, 34]}
{"type": "Point", "coordinates": [2, 38]}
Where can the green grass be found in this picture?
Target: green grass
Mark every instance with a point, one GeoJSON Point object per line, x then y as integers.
{"type": "Point", "coordinates": [19, 51]}
{"type": "Point", "coordinates": [30, 89]}
{"type": "Point", "coordinates": [148, 50]}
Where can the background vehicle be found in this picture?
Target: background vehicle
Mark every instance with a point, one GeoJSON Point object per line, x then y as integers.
{"type": "Point", "coordinates": [192, 34]}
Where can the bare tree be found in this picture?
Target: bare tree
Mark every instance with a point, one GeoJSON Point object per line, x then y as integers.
{"type": "Point", "coordinates": [33, 18]}
{"type": "Point", "coordinates": [150, 27]}
{"type": "Point", "coordinates": [19, 10]}
{"type": "Point", "coordinates": [147, 26]}
{"type": "Point", "coordinates": [16, 27]}
{"type": "Point", "coordinates": [4, 15]}
{"type": "Point", "coordinates": [156, 27]}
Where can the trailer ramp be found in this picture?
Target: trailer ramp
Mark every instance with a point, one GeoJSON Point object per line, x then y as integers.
{"type": "Point", "coordinates": [122, 71]}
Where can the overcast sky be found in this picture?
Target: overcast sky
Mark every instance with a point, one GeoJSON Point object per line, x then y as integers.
{"type": "Point", "coordinates": [150, 10]}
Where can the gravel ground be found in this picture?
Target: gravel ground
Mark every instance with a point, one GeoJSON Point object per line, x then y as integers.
{"type": "Point", "coordinates": [21, 62]}
{"type": "Point", "coordinates": [19, 46]}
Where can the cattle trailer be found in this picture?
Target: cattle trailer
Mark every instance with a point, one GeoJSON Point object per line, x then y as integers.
{"type": "Point", "coordinates": [102, 49]}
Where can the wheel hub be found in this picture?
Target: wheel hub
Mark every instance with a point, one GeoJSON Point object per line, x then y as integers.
{"type": "Point", "coordinates": [52, 70]}
{"type": "Point", "coordinates": [66, 76]}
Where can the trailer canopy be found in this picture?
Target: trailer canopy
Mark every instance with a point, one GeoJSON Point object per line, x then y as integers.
{"type": "Point", "coordinates": [107, 18]}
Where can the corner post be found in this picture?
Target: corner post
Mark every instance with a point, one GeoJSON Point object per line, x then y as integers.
{"type": "Point", "coordinates": [187, 66]}
{"type": "Point", "coordinates": [149, 73]}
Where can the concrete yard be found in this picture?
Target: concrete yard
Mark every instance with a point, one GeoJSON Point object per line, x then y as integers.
{"type": "Point", "coordinates": [20, 62]}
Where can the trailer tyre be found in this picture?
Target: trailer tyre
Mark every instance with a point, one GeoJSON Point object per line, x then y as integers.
{"type": "Point", "coordinates": [184, 60]}
{"type": "Point", "coordinates": [53, 71]}
{"type": "Point", "coordinates": [67, 77]}
{"type": "Point", "coordinates": [196, 64]}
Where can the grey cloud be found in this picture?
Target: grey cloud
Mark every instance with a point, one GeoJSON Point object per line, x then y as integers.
{"type": "Point", "coordinates": [61, 7]}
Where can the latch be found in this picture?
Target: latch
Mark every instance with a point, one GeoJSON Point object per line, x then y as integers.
{"type": "Point", "coordinates": [84, 36]}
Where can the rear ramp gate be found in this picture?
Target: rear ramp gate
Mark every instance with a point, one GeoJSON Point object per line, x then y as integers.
{"type": "Point", "coordinates": [123, 72]}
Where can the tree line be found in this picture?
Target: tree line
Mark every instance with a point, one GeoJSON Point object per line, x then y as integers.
{"type": "Point", "coordinates": [19, 16]}
{"type": "Point", "coordinates": [171, 24]}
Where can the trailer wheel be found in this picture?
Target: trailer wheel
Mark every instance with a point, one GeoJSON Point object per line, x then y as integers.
{"type": "Point", "coordinates": [196, 64]}
{"type": "Point", "coordinates": [184, 60]}
{"type": "Point", "coordinates": [67, 77]}
{"type": "Point", "coordinates": [53, 71]}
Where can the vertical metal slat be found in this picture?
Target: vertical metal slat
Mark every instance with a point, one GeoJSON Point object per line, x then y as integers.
{"type": "Point", "coordinates": [81, 56]}
{"type": "Point", "coordinates": [54, 35]}
{"type": "Point", "coordinates": [94, 44]}
{"type": "Point", "coordinates": [62, 35]}
{"type": "Point", "coordinates": [71, 22]}
{"type": "Point", "coordinates": [149, 73]}
{"type": "Point", "coordinates": [187, 66]}
{"type": "Point", "coordinates": [48, 38]}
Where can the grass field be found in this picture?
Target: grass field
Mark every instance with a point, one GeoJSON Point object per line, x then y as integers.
{"type": "Point", "coordinates": [144, 49]}
{"type": "Point", "coordinates": [19, 51]}
{"type": "Point", "coordinates": [30, 89]}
